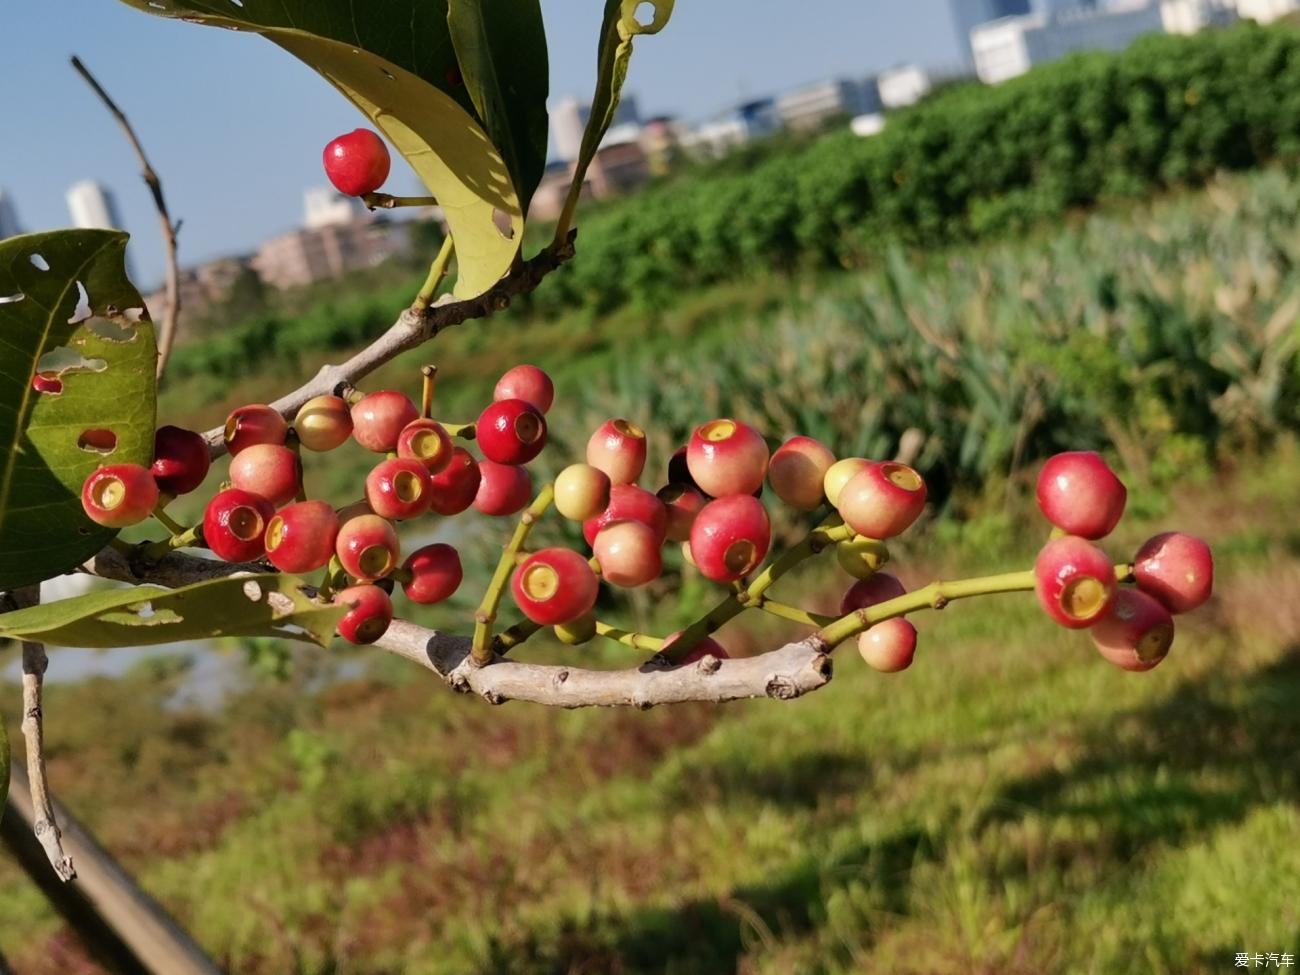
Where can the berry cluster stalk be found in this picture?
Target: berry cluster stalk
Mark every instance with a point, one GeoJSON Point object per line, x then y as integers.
{"type": "Point", "coordinates": [487, 610]}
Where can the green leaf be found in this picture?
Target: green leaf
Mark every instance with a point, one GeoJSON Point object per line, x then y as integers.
{"type": "Point", "coordinates": [4, 764]}
{"type": "Point", "coordinates": [251, 605]}
{"type": "Point", "coordinates": [66, 308]}
{"type": "Point", "coordinates": [394, 60]}
{"type": "Point", "coordinates": [501, 48]}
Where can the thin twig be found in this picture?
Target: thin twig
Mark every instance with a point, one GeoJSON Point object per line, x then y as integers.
{"type": "Point", "coordinates": [167, 333]}
{"type": "Point", "coordinates": [44, 823]}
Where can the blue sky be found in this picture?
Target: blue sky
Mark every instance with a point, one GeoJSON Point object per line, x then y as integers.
{"type": "Point", "coordinates": [235, 126]}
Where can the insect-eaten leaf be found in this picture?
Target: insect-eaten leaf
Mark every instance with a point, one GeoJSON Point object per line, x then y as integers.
{"type": "Point", "coordinates": [249, 605]}
{"type": "Point", "coordinates": [77, 388]}
{"type": "Point", "coordinates": [395, 61]}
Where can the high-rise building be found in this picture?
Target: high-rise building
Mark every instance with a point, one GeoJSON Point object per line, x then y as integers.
{"type": "Point", "coordinates": [967, 14]}
{"type": "Point", "coordinates": [569, 122]}
{"type": "Point", "coordinates": [9, 226]}
{"type": "Point", "coordinates": [324, 205]}
{"type": "Point", "coordinates": [92, 206]}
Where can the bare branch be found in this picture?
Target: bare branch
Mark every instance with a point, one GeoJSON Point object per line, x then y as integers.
{"type": "Point", "coordinates": [412, 328]}
{"type": "Point", "coordinates": [167, 333]}
{"type": "Point", "coordinates": [44, 823]}
{"type": "Point", "coordinates": [785, 673]}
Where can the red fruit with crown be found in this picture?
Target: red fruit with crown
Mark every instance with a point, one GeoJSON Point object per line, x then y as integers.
{"type": "Point", "coordinates": [1080, 494]}
{"type": "Point", "coordinates": [1177, 569]}
{"type": "Point", "coordinates": [426, 441]}
{"type": "Point", "coordinates": [882, 500]}
{"type": "Point", "coordinates": [300, 537]}
{"type": "Point", "coordinates": [270, 470]}
{"type": "Point", "coordinates": [730, 537]}
{"type": "Point", "coordinates": [118, 495]}
{"type": "Point", "coordinates": [511, 431]}
{"type": "Point", "coordinates": [379, 418]}
{"type": "Point", "coordinates": [554, 586]}
{"type": "Point", "coordinates": [254, 424]}
{"type": "Point", "coordinates": [618, 448]}
{"type": "Point", "coordinates": [399, 489]}
{"type": "Point", "coordinates": [527, 383]}
{"type": "Point", "coordinates": [234, 525]}
{"type": "Point", "coordinates": [1074, 581]}
{"type": "Point", "coordinates": [1136, 632]}
{"type": "Point", "coordinates": [456, 485]}
{"type": "Point", "coordinates": [627, 502]}
{"type": "Point", "coordinates": [797, 472]}
{"type": "Point", "coordinates": [727, 457]}
{"type": "Point", "coordinates": [369, 617]}
{"type": "Point", "coordinates": [367, 547]}
{"type": "Point", "coordinates": [628, 553]}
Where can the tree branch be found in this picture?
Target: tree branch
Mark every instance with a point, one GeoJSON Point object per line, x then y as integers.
{"type": "Point", "coordinates": [414, 327]}
{"type": "Point", "coordinates": [171, 315]}
{"type": "Point", "coordinates": [44, 823]}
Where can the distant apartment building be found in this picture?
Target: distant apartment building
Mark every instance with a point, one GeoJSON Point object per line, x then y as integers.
{"type": "Point", "coordinates": [93, 206]}
{"type": "Point", "coordinates": [966, 15]}
{"type": "Point", "coordinates": [569, 122]}
{"type": "Point", "coordinates": [1190, 16]}
{"type": "Point", "coordinates": [9, 226]}
{"type": "Point", "coordinates": [323, 206]}
{"type": "Point", "coordinates": [660, 140]}
{"type": "Point", "coordinates": [750, 120]}
{"type": "Point", "coordinates": [308, 255]}
{"type": "Point", "coordinates": [904, 85]}
{"type": "Point", "coordinates": [1266, 11]}
{"type": "Point", "coordinates": [808, 109]}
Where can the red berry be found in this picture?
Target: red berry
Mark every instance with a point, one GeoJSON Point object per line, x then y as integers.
{"type": "Point", "coordinates": [435, 574]}
{"type": "Point", "coordinates": [581, 492]}
{"type": "Point", "coordinates": [323, 423]}
{"type": "Point", "coordinates": [357, 163]}
{"type": "Point", "coordinates": [527, 383]}
{"type": "Point", "coordinates": [727, 457]}
{"type": "Point", "coordinates": [618, 448]}
{"type": "Point", "coordinates": [300, 537]}
{"type": "Point", "coordinates": [708, 647]}
{"type": "Point", "coordinates": [555, 586]}
{"type": "Point", "coordinates": [427, 442]}
{"type": "Point", "coordinates": [267, 469]}
{"type": "Point", "coordinates": [682, 503]}
{"type": "Point", "coordinates": [399, 489]}
{"type": "Point", "coordinates": [628, 553]}
{"type": "Point", "coordinates": [882, 500]}
{"type": "Point", "coordinates": [1080, 494]}
{"type": "Point", "coordinates": [180, 460]}
{"type": "Point", "coordinates": [455, 486]}
{"type": "Point", "coordinates": [379, 418]}
{"type": "Point", "coordinates": [889, 645]}
{"type": "Point", "coordinates": [1176, 569]}
{"type": "Point", "coordinates": [877, 588]}
{"type": "Point", "coordinates": [367, 547]}
{"type": "Point", "coordinates": [797, 472]}
{"type": "Point", "coordinates": [840, 473]}
{"type": "Point", "coordinates": [369, 616]}
{"type": "Point", "coordinates": [860, 557]}
{"type": "Point", "coordinates": [511, 431]}
{"type": "Point", "coordinates": [1075, 581]}
{"type": "Point", "coordinates": [627, 502]}
{"type": "Point", "coordinates": [504, 489]}
{"type": "Point", "coordinates": [234, 525]}
{"type": "Point", "coordinates": [254, 424]}
{"type": "Point", "coordinates": [730, 537]}
{"type": "Point", "coordinates": [119, 495]}
{"type": "Point", "coordinates": [1135, 633]}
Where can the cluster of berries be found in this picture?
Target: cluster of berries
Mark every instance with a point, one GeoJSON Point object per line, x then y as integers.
{"type": "Point", "coordinates": [1075, 580]}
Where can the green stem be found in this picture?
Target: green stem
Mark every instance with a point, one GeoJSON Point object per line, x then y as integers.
{"type": "Point", "coordinates": [637, 641]}
{"type": "Point", "coordinates": [385, 201]}
{"type": "Point", "coordinates": [437, 271]}
{"type": "Point", "coordinates": [487, 610]}
{"type": "Point", "coordinates": [167, 521]}
{"type": "Point", "coordinates": [154, 551]}
{"type": "Point", "coordinates": [458, 431]}
{"type": "Point", "coordinates": [794, 613]}
{"type": "Point", "coordinates": [511, 637]}
{"type": "Point", "coordinates": [325, 590]}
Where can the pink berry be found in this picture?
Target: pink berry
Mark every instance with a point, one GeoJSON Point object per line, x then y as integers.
{"type": "Point", "coordinates": [840, 473]}
{"type": "Point", "coordinates": [357, 162]}
{"type": "Point", "coordinates": [369, 617]}
{"type": "Point", "coordinates": [510, 431]}
{"type": "Point", "coordinates": [882, 500]}
{"type": "Point", "coordinates": [435, 574]}
{"type": "Point", "coordinates": [1176, 569]}
{"type": "Point", "coordinates": [426, 441]}
{"type": "Point", "coordinates": [254, 424]}
{"type": "Point", "coordinates": [682, 503]}
{"type": "Point", "coordinates": [180, 460]}
{"type": "Point", "coordinates": [456, 485]}
{"type": "Point", "coordinates": [627, 502]}
{"type": "Point", "coordinates": [399, 489]}
{"type": "Point", "coordinates": [300, 537]}
{"type": "Point", "coordinates": [527, 383]}
{"type": "Point", "coordinates": [504, 489]}
{"type": "Point", "coordinates": [118, 495]}
{"type": "Point", "coordinates": [379, 418]}
{"type": "Point", "coordinates": [877, 588]}
{"type": "Point", "coordinates": [628, 554]}
{"type": "Point", "coordinates": [797, 472]}
{"type": "Point", "coordinates": [323, 423]}
{"type": "Point", "coordinates": [618, 448]}
{"type": "Point", "coordinates": [1080, 494]}
{"type": "Point", "coordinates": [270, 470]}
{"type": "Point", "coordinates": [234, 525]}
{"type": "Point", "coordinates": [1075, 581]}
{"type": "Point", "coordinates": [1136, 632]}
{"type": "Point", "coordinates": [581, 492]}
{"type": "Point", "coordinates": [727, 457]}
{"type": "Point", "coordinates": [555, 586]}
{"type": "Point", "coordinates": [367, 547]}
{"type": "Point", "coordinates": [889, 645]}
{"type": "Point", "coordinates": [708, 647]}
{"type": "Point", "coordinates": [730, 537]}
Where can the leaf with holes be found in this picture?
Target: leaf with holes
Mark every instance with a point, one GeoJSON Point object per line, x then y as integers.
{"type": "Point", "coordinates": [77, 359]}
{"type": "Point", "coordinates": [501, 49]}
{"type": "Point", "coordinates": [394, 60]}
{"type": "Point", "coordinates": [250, 605]}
